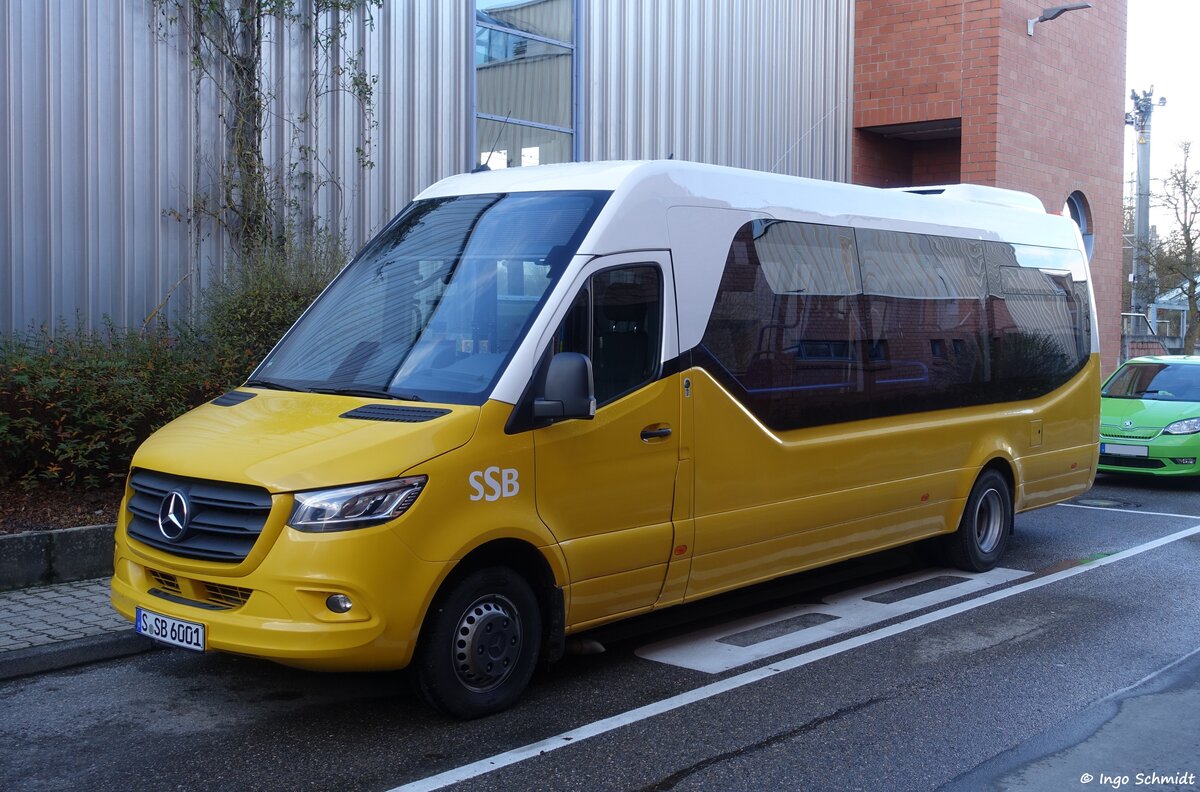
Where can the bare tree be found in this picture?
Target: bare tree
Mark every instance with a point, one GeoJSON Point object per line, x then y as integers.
{"type": "Point", "coordinates": [1172, 260]}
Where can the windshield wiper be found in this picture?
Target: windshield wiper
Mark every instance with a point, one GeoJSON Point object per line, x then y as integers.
{"type": "Point", "coordinates": [370, 393]}
{"type": "Point", "coordinates": [267, 384]}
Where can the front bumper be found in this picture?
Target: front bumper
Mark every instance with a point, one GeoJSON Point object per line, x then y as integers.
{"type": "Point", "coordinates": [277, 610]}
{"type": "Point", "coordinates": [1167, 456]}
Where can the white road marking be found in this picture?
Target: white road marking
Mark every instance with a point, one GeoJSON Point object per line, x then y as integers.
{"type": "Point", "coordinates": [1129, 511]}
{"type": "Point", "coordinates": [605, 725]}
{"type": "Point", "coordinates": [848, 611]}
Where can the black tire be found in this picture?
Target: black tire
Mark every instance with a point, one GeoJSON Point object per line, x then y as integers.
{"type": "Point", "coordinates": [479, 645]}
{"type": "Point", "coordinates": [985, 526]}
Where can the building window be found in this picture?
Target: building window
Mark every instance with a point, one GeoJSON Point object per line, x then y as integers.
{"type": "Point", "coordinates": [525, 82]}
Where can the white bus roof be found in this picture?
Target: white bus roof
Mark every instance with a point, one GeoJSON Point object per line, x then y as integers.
{"type": "Point", "coordinates": [644, 192]}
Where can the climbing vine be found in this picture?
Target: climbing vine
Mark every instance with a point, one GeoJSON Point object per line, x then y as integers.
{"type": "Point", "coordinates": [258, 204]}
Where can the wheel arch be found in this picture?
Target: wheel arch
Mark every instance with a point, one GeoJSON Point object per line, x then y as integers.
{"type": "Point", "coordinates": [532, 564]}
{"type": "Point", "coordinates": [1003, 465]}
{"type": "Point", "coordinates": [1006, 468]}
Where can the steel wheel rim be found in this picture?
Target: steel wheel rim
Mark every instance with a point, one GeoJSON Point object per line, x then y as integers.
{"type": "Point", "coordinates": [989, 521]}
{"type": "Point", "coordinates": [487, 643]}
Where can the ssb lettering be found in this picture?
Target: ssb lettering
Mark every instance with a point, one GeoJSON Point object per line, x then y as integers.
{"type": "Point", "coordinates": [500, 483]}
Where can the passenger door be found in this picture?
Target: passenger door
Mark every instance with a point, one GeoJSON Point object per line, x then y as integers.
{"type": "Point", "coordinates": [605, 486]}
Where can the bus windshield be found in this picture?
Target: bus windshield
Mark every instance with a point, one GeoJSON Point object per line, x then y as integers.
{"type": "Point", "coordinates": [434, 306]}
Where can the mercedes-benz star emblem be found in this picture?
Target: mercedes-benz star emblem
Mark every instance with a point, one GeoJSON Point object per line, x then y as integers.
{"type": "Point", "coordinates": [173, 516]}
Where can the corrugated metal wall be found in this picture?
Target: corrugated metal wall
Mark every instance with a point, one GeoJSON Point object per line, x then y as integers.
{"type": "Point", "coordinates": [104, 138]}
{"type": "Point", "coordinates": [762, 84]}
{"type": "Point", "coordinates": [101, 125]}
{"type": "Point", "coordinates": [92, 153]}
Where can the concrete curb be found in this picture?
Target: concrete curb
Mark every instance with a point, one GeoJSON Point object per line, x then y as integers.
{"type": "Point", "coordinates": [39, 558]}
{"type": "Point", "coordinates": [65, 654]}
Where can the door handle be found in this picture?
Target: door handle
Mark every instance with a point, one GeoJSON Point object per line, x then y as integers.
{"type": "Point", "coordinates": [649, 433]}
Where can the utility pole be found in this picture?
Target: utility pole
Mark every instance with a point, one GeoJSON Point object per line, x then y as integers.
{"type": "Point", "coordinates": [1139, 119]}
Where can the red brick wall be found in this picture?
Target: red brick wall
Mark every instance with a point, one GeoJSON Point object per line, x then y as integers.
{"type": "Point", "coordinates": [891, 162]}
{"type": "Point", "coordinates": [1044, 114]}
{"type": "Point", "coordinates": [906, 57]}
{"type": "Point", "coordinates": [881, 162]}
{"type": "Point", "coordinates": [937, 162]}
{"type": "Point", "coordinates": [1061, 103]}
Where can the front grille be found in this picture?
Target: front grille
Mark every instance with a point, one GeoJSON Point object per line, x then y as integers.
{"type": "Point", "coordinates": [232, 596]}
{"type": "Point", "coordinates": [165, 581]}
{"type": "Point", "coordinates": [224, 520]}
{"type": "Point", "coordinates": [196, 593]}
{"type": "Point", "coordinates": [1133, 433]}
{"type": "Point", "coordinates": [1144, 463]}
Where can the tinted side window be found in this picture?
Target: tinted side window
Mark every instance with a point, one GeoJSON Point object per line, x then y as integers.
{"type": "Point", "coordinates": [925, 308]}
{"type": "Point", "coordinates": [1038, 314]}
{"type": "Point", "coordinates": [785, 335]}
{"type": "Point", "coordinates": [818, 324]}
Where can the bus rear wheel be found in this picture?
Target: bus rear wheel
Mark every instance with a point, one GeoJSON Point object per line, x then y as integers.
{"type": "Point", "coordinates": [986, 524]}
{"type": "Point", "coordinates": [480, 644]}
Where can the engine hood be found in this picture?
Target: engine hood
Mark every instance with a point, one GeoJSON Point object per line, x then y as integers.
{"type": "Point", "coordinates": [1147, 413]}
{"type": "Point", "coordinates": [286, 441]}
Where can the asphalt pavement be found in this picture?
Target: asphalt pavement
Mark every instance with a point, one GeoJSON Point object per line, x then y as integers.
{"type": "Point", "coordinates": [1083, 672]}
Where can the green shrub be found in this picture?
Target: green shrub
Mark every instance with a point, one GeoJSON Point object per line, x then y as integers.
{"type": "Point", "coordinates": [241, 318]}
{"type": "Point", "coordinates": [75, 403]}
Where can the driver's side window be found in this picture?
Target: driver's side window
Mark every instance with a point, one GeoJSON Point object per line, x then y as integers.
{"type": "Point", "coordinates": [616, 320]}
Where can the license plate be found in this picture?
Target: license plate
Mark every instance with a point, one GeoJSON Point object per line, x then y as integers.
{"type": "Point", "coordinates": [1116, 449]}
{"type": "Point", "coordinates": [186, 635]}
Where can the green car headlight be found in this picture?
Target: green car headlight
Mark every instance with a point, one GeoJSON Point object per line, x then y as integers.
{"type": "Point", "coordinates": [360, 506]}
{"type": "Point", "coordinates": [1188, 426]}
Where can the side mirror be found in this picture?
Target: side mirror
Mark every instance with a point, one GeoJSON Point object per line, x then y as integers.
{"type": "Point", "coordinates": [570, 391]}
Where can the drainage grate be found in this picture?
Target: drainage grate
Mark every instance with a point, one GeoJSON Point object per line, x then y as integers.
{"type": "Point", "coordinates": [1105, 503]}
{"type": "Point", "coordinates": [776, 629]}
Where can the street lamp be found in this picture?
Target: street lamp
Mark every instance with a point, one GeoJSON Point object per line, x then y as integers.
{"type": "Point", "coordinates": [1050, 14]}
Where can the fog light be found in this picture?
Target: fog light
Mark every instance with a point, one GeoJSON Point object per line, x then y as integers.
{"type": "Point", "coordinates": [1184, 461]}
{"type": "Point", "coordinates": [338, 603]}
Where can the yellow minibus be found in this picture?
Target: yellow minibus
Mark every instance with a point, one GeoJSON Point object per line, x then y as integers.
{"type": "Point", "coordinates": [547, 398]}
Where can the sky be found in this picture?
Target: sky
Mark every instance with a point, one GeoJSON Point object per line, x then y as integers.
{"type": "Point", "coordinates": [1161, 52]}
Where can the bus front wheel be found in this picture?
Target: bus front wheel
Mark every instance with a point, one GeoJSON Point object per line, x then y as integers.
{"type": "Point", "coordinates": [986, 524]}
{"type": "Point", "coordinates": [480, 644]}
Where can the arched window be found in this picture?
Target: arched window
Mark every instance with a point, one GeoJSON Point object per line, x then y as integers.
{"type": "Point", "coordinates": [1079, 210]}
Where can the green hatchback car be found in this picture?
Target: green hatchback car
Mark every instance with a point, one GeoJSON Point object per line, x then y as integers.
{"type": "Point", "coordinates": [1150, 417]}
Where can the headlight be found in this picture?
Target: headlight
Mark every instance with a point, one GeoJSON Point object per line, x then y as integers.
{"type": "Point", "coordinates": [1190, 426]}
{"type": "Point", "coordinates": [360, 506]}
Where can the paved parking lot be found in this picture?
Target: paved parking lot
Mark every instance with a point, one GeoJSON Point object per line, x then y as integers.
{"type": "Point", "coordinates": [1076, 661]}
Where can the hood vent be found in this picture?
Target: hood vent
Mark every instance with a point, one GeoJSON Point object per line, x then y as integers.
{"type": "Point", "coordinates": [391, 412]}
{"type": "Point", "coordinates": [232, 398]}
